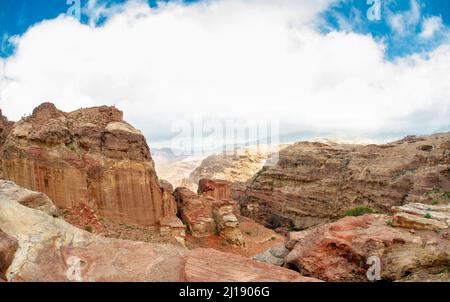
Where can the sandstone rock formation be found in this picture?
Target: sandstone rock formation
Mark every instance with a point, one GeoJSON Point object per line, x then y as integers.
{"type": "Point", "coordinates": [206, 216]}
{"type": "Point", "coordinates": [238, 167]}
{"type": "Point", "coordinates": [8, 247]}
{"type": "Point", "coordinates": [31, 199]}
{"type": "Point", "coordinates": [314, 183]}
{"type": "Point", "coordinates": [340, 251]}
{"type": "Point", "coordinates": [421, 217]}
{"type": "Point", "coordinates": [86, 156]}
{"type": "Point", "coordinates": [214, 266]}
{"type": "Point", "coordinates": [5, 127]}
{"type": "Point", "coordinates": [218, 189]}
{"type": "Point", "coordinates": [37, 247]}
{"type": "Point", "coordinates": [275, 255]}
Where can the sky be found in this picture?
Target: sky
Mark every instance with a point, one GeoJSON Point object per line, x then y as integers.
{"type": "Point", "coordinates": [374, 69]}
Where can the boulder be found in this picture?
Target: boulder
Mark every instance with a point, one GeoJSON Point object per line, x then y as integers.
{"type": "Point", "coordinates": [8, 247]}
{"type": "Point", "coordinates": [274, 255]}
{"type": "Point", "coordinates": [173, 230]}
{"type": "Point", "coordinates": [28, 198]}
{"type": "Point", "coordinates": [341, 251]}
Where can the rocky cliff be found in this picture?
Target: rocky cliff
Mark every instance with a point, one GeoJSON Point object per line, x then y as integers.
{"type": "Point", "coordinates": [35, 246]}
{"type": "Point", "coordinates": [314, 183]}
{"type": "Point", "coordinates": [238, 167]}
{"type": "Point", "coordinates": [86, 156]}
{"type": "Point", "coordinates": [5, 128]}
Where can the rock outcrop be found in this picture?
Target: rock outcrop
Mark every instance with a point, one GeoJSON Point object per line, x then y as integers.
{"type": "Point", "coordinates": [340, 251]}
{"type": "Point", "coordinates": [314, 183]}
{"type": "Point", "coordinates": [421, 217]}
{"type": "Point", "coordinates": [8, 247]}
{"type": "Point", "coordinates": [37, 247]}
{"type": "Point", "coordinates": [238, 167]}
{"type": "Point", "coordinates": [5, 127]}
{"type": "Point", "coordinates": [28, 198]}
{"type": "Point", "coordinates": [206, 216]}
{"type": "Point", "coordinates": [86, 156]}
{"type": "Point", "coordinates": [218, 189]}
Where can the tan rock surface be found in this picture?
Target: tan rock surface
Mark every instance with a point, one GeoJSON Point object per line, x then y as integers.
{"type": "Point", "coordinates": [408, 221]}
{"type": "Point", "coordinates": [339, 251]}
{"type": "Point", "coordinates": [214, 266]}
{"type": "Point", "coordinates": [50, 249]}
{"type": "Point", "coordinates": [314, 183]}
{"type": "Point", "coordinates": [86, 156]}
{"type": "Point", "coordinates": [28, 198]}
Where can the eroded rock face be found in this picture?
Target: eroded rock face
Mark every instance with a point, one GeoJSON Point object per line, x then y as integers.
{"type": "Point", "coordinates": [196, 211]}
{"type": "Point", "coordinates": [5, 127]}
{"type": "Point", "coordinates": [314, 183]}
{"type": "Point", "coordinates": [206, 216]}
{"type": "Point", "coordinates": [85, 156]}
{"type": "Point", "coordinates": [218, 189]}
{"type": "Point", "coordinates": [227, 223]}
{"type": "Point", "coordinates": [238, 167]}
{"type": "Point", "coordinates": [340, 251]}
{"type": "Point", "coordinates": [421, 216]}
{"type": "Point", "coordinates": [37, 247]}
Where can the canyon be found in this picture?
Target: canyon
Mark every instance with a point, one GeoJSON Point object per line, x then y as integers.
{"type": "Point", "coordinates": [81, 197]}
{"type": "Point", "coordinates": [313, 182]}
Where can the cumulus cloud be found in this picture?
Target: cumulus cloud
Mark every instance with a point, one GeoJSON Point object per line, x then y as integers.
{"type": "Point", "coordinates": [431, 26]}
{"type": "Point", "coordinates": [227, 59]}
{"type": "Point", "coordinates": [405, 22]}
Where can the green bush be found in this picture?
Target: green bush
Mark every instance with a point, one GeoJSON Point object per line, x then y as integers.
{"type": "Point", "coordinates": [428, 215]}
{"type": "Point", "coordinates": [435, 202]}
{"type": "Point", "coordinates": [359, 211]}
{"type": "Point", "coordinates": [446, 195]}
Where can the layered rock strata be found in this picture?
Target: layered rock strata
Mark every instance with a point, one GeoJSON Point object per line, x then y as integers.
{"type": "Point", "coordinates": [86, 156]}
{"type": "Point", "coordinates": [206, 216]}
{"type": "Point", "coordinates": [37, 247]}
{"type": "Point", "coordinates": [314, 183]}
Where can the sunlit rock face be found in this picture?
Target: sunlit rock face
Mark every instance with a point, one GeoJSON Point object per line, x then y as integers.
{"type": "Point", "coordinates": [86, 156]}
{"type": "Point", "coordinates": [314, 183]}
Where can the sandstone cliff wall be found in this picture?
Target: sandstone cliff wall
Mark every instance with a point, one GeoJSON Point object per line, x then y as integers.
{"type": "Point", "coordinates": [314, 182]}
{"type": "Point", "coordinates": [85, 156]}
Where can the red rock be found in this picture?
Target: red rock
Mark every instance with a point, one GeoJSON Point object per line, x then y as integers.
{"type": "Point", "coordinates": [339, 251]}
{"type": "Point", "coordinates": [8, 247]}
{"type": "Point", "coordinates": [196, 211]}
{"type": "Point", "coordinates": [208, 265]}
{"type": "Point", "coordinates": [86, 156]}
{"type": "Point", "coordinates": [53, 250]}
{"type": "Point", "coordinates": [219, 189]}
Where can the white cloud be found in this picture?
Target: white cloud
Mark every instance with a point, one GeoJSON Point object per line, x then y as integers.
{"type": "Point", "coordinates": [431, 26]}
{"type": "Point", "coordinates": [402, 23]}
{"type": "Point", "coordinates": [222, 59]}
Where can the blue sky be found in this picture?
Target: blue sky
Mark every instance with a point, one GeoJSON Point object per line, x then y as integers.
{"type": "Point", "coordinates": [16, 16]}
{"type": "Point", "coordinates": [316, 66]}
